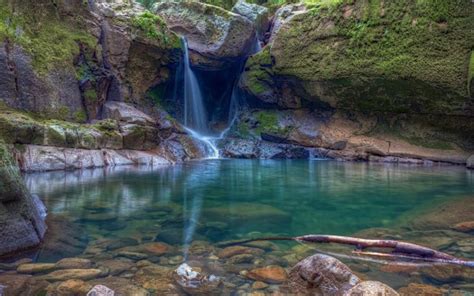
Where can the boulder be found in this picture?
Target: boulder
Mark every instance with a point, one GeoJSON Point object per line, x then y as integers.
{"type": "Point", "coordinates": [321, 275]}
{"type": "Point", "coordinates": [214, 35]}
{"type": "Point", "coordinates": [258, 15]}
{"type": "Point", "coordinates": [124, 112]}
{"type": "Point", "coordinates": [371, 288]}
{"type": "Point", "coordinates": [22, 215]}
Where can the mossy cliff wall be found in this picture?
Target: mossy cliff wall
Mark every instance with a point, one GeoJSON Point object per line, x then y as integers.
{"type": "Point", "coordinates": [407, 60]}
{"type": "Point", "coordinates": [64, 59]}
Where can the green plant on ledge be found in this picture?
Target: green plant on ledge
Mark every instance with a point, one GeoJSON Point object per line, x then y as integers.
{"type": "Point", "coordinates": [148, 23]}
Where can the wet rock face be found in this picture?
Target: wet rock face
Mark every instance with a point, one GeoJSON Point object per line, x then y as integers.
{"type": "Point", "coordinates": [214, 34]}
{"type": "Point", "coordinates": [321, 275]}
{"type": "Point", "coordinates": [21, 87]}
{"type": "Point", "coordinates": [21, 214]}
{"type": "Point", "coordinates": [258, 15]}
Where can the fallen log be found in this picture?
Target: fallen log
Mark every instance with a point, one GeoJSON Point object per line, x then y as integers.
{"type": "Point", "coordinates": [399, 249]}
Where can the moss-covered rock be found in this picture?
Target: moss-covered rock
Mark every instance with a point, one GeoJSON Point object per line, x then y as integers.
{"type": "Point", "coordinates": [214, 35]}
{"type": "Point", "coordinates": [403, 63]}
{"type": "Point", "coordinates": [21, 215]}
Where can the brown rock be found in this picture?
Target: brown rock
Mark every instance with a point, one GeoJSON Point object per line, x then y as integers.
{"type": "Point", "coordinates": [448, 273]}
{"type": "Point", "coordinates": [32, 268]}
{"type": "Point", "coordinates": [269, 274]}
{"type": "Point", "coordinates": [67, 274]}
{"type": "Point", "coordinates": [158, 278]}
{"type": "Point", "coordinates": [259, 285]}
{"type": "Point", "coordinates": [116, 266]}
{"type": "Point", "coordinates": [371, 288]}
{"type": "Point", "coordinates": [156, 248]}
{"type": "Point", "coordinates": [467, 226]}
{"type": "Point", "coordinates": [74, 263]}
{"type": "Point", "coordinates": [238, 250]}
{"type": "Point", "coordinates": [398, 268]}
{"type": "Point", "coordinates": [121, 286]}
{"type": "Point", "coordinates": [72, 287]}
{"type": "Point", "coordinates": [21, 284]}
{"type": "Point", "coordinates": [421, 290]}
{"type": "Point", "coordinates": [321, 275]}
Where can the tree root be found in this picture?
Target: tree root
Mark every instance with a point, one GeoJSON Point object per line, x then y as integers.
{"type": "Point", "coordinates": [399, 250]}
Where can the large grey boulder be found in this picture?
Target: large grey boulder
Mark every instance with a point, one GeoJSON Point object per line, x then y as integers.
{"type": "Point", "coordinates": [22, 216]}
{"type": "Point", "coordinates": [214, 35]}
{"type": "Point", "coordinates": [257, 14]}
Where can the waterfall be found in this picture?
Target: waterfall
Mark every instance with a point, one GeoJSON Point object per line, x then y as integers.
{"type": "Point", "coordinates": [195, 115]}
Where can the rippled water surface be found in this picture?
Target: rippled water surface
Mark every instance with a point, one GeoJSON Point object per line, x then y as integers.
{"type": "Point", "coordinates": [222, 200]}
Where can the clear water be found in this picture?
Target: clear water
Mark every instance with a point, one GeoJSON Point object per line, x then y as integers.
{"type": "Point", "coordinates": [218, 200]}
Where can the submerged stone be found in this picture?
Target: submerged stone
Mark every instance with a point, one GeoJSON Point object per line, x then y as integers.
{"type": "Point", "coordinates": [68, 274]}
{"type": "Point", "coordinates": [258, 215]}
{"type": "Point", "coordinates": [74, 263]}
{"type": "Point", "coordinates": [371, 288]}
{"type": "Point", "coordinates": [70, 287]}
{"type": "Point", "coordinates": [270, 274]}
{"type": "Point", "coordinates": [321, 275]}
{"type": "Point", "coordinates": [32, 268]}
{"type": "Point", "coordinates": [446, 215]}
{"type": "Point", "coordinates": [238, 250]}
{"type": "Point", "coordinates": [116, 266]}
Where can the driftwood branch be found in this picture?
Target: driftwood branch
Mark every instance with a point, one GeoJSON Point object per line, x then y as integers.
{"type": "Point", "coordinates": [398, 249]}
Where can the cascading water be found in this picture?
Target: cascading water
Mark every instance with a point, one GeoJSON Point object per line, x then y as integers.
{"type": "Point", "coordinates": [195, 115]}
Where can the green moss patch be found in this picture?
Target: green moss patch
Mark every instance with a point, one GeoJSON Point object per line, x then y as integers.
{"type": "Point", "coordinates": [151, 26]}
{"type": "Point", "coordinates": [38, 29]}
